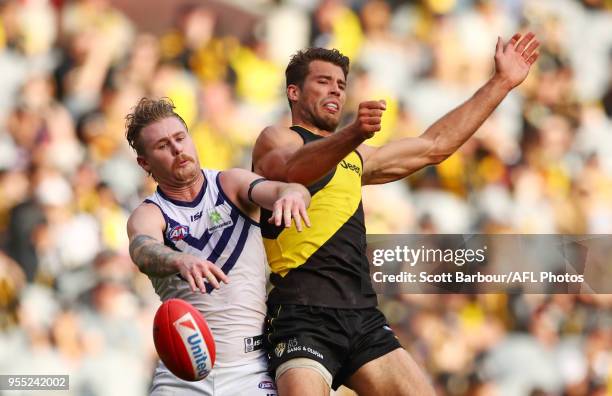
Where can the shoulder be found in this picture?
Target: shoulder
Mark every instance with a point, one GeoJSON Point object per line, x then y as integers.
{"type": "Point", "coordinates": [233, 174]}
{"type": "Point", "coordinates": [235, 178]}
{"type": "Point", "coordinates": [146, 215]}
{"type": "Point", "coordinates": [276, 136]}
{"type": "Point", "coordinates": [146, 208]}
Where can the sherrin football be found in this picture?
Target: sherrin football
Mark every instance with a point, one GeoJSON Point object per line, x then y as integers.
{"type": "Point", "coordinates": [183, 340]}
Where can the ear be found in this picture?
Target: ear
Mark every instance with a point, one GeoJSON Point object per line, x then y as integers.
{"type": "Point", "coordinates": [293, 93]}
{"type": "Point", "coordinates": [143, 164]}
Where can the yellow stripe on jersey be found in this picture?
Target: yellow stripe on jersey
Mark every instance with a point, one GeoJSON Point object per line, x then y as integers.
{"type": "Point", "coordinates": [330, 208]}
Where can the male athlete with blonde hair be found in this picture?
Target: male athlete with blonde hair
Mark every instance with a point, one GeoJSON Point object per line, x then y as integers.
{"type": "Point", "coordinates": [195, 232]}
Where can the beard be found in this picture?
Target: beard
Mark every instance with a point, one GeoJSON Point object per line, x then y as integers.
{"type": "Point", "coordinates": [325, 123]}
{"type": "Point", "coordinates": [186, 172]}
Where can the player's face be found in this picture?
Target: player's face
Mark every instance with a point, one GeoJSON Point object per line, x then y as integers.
{"type": "Point", "coordinates": [169, 153]}
{"type": "Point", "coordinates": [322, 95]}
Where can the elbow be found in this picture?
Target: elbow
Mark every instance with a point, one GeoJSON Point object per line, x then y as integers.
{"type": "Point", "coordinates": [436, 159]}
{"type": "Point", "coordinates": [437, 151]}
{"type": "Point", "coordinates": [437, 154]}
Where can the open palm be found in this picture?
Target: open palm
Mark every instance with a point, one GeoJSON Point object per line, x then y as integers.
{"type": "Point", "coordinates": [514, 59]}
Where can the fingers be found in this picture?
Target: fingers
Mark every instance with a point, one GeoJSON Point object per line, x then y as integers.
{"type": "Point", "coordinates": [520, 47]}
{"type": "Point", "coordinates": [287, 215]}
{"type": "Point", "coordinates": [218, 273]}
{"type": "Point", "coordinates": [512, 43]}
{"type": "Point", "coordinates": [371, 121]}
{"type": "Point", "coordinates": [211, 278]}
{"type": "Point", "coordinates": [369, 116]}
{"type": "Point", "coordinates": [295, 212]}
{"type": "Point", "coordinates": [373, 104]}
{"type": "Point", "coordinates": [277, 214]}
{"type": "Point", "coordinates": [499, 47]}
{"type": "Point", "coordinates": [199, 282]}
{"type": "Point", "coordinates": [191, 282]}
{"type": "Point", "coordinates": [200, 272]}
{"type": "Point", "coordinates": [304, 214]}
{"type": "Point", "coordinates": [530, 49]}
{"type": "Point", "coordinates": [290, 208]}
{"type": "Point", "coordinates": [533, 58]}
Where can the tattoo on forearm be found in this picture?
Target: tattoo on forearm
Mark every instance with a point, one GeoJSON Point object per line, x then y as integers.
{"type": "Point", "coordinates": [152, 257]}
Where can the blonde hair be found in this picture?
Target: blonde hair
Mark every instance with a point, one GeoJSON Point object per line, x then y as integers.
{"type": "Point", "coordinates": [146, 112]}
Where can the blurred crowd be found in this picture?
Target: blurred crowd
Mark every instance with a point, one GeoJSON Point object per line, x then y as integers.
{"type": "Point", "coordinates": [71, 301]}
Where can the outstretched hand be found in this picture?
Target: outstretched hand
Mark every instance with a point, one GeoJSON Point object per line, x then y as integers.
{"type": "Point", "coordinates": [289, 206]}
{"type": "Point", "coordinates": [514, 58]}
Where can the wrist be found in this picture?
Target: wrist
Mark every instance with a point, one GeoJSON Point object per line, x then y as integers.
{"type": "Point", "coordinates": [173, 261]}
{"type": "Point", "coordinates": [501, 83]}
{"type": "Point", "coordinates": [353, 134]}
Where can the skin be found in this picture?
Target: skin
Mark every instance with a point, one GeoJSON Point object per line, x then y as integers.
{"type": "Point", "coordinates": [169, 155]}
{"type": "Point", "coordinates": [280, 154]}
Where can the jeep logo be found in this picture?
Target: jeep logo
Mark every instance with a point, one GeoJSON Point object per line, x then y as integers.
{"type": "Point", "coordinates": [349, 166]}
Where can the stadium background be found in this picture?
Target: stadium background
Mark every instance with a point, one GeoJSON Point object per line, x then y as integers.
{"type": "Point", "coordinates": [72, 302]}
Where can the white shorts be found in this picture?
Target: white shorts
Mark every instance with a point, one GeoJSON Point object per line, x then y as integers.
{"type": "Point", "coordinates": [247, 379]}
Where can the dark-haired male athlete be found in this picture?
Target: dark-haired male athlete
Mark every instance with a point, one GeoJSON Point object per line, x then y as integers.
{"type": "Point", "coordinates": [324, 329]}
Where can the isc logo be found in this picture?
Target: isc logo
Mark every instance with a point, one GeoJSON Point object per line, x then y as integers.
{"type": "Point", "coordinates": [196, 216]}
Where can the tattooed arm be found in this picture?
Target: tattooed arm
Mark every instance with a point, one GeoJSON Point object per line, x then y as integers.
{"type": "Point", "coordinates": [145, 229]}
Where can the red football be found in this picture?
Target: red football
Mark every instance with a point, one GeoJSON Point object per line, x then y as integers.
{"type": "Point", "coordinates": [183, 340]}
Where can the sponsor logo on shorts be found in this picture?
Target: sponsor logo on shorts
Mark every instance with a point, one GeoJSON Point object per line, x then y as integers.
{"type": "Point", "coordinates": [280, 349]}
{"type": "Point", "coordinates": [266, 385]}
{"type": "Point", "coordinates": [294, 346]}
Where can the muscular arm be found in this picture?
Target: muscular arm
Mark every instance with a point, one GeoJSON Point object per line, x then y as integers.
{"type": "Point", "coordinates": [151, 257]}
{"type": "Point", "coordinates": [401, 158]}
{"type": "Point", "coordinates": [279, 153]}
{"type": "Point", "coordinates": [298, 163]}
{"type": "Point", "coordinates": [291, 199]}
{"type": "Point", "coordinates": [145, 231]}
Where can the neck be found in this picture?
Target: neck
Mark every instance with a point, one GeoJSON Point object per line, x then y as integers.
{"type": "Point", "coordinates": [185, 192]}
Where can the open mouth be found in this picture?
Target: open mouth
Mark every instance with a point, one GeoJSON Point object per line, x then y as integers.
{"type": "Point", "coordinates": [331, 107]}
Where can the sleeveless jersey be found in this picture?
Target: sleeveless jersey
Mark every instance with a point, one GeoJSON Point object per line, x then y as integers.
{"type": "Point", "coordinates": [325, 265]}
{"type": "Point", "coordinates": [213, 228]}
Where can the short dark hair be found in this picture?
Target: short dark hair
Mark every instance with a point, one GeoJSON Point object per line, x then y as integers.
{"type": "Point", "coordinates": [297, 69]}
{"type": "Point", "coordinates": [146, 112]}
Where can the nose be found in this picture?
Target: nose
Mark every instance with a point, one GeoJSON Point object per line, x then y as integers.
{"type": "Point", "coordinates": [177, 147]}
{"type": "Point", "coordinates": [335, 90]}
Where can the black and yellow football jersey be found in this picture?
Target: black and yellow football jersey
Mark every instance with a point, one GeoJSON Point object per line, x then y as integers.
{"type": "Point", "coordinates": [325, 265]}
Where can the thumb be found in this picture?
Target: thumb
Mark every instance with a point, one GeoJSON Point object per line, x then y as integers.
{"type": "Point", "coordinates": [499, 46]}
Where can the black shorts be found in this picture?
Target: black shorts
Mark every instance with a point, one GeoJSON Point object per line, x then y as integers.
{"type": "Point", "coordinates": [342, 340]}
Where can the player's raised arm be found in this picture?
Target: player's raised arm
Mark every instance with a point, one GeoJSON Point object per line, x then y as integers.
{"type": "Point", "coordinates": [145, 230]}
{"type": "Point", "coordinates": [279, 154]}
{"type": "Point", "coordinates": [287, 201]}
{"type": "Point", "coordinates": [399, 159]}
